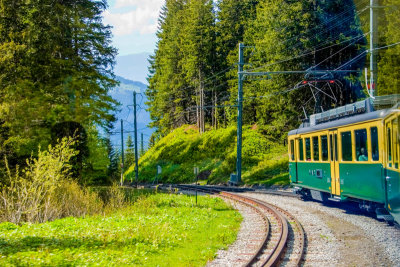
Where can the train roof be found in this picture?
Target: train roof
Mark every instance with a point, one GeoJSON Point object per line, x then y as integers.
{"type": "Point", "coordinates": [375, 115]}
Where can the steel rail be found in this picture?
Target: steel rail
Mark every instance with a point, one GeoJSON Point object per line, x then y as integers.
{"type": "Point", "coordinates": [301, 232]}
{"type": "Point", "coordinates": [274, 258]}
{"type": "Point", "coordinates": [264, 241]}
{"type": "Point", "coordinates": [282, 217]}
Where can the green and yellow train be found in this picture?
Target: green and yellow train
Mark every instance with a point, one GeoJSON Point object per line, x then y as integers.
{"type": "Point", "coordinates": [351, 153]}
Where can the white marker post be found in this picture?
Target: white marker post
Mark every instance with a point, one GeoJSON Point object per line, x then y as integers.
{"type": "Point", "coordinates": [159, 170]}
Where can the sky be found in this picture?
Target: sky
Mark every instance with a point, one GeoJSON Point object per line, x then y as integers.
{"type": "Point", "coordinates": [135, 24]}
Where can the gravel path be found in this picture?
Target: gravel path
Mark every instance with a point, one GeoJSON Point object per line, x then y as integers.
{"type": "Point", "coordinates": [248, 239]}
{"type": "Point", "coordinates": [339, 237]}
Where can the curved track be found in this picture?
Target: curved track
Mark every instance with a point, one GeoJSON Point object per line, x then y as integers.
{"type": "Point", "coordinates": [284, 238]}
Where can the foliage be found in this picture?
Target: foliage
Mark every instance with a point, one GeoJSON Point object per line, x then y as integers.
{"type": "Point", "coordinates": [279, 35]}
{"type": "Point", "coordinates": [129, 153]}
{"type": "Point", "coordinates": [113, 170]}
{"type": "Point", "coordinates": [389, 63]}
{"type": "Point", "coordinates": [158, 230]}
{"type": "Point", "coordinates": [213, 152]}
{"type": "Point", "coordinates": [98, 161]}
{"type": "Point", "coordinates": [184, 56]}
{"type": "Point", "coordinates": [55, 67]}
{"type": "Point", "coordinates": [42, 191]}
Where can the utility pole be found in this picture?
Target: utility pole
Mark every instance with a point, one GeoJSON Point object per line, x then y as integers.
{"type": "Point", "coordinates": [122, 152]}
{"type": "Point", "coordinates": [373, 44]}
{"type": "Point", "coordinates": [239, 118]}
{"type": "Point", "coordinates": [136, 141]}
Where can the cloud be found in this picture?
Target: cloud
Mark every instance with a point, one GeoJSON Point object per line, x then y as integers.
{"type": "Point", "coordinates": [142, 19]}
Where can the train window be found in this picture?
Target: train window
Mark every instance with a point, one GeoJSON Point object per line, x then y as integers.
{"type": "Point", "coordinates": [292, 149]}
{"type": "Point", "coordinates": [315, 148]}
{"type": "Point", "coordinates": [361, 145]}
{"type": "Point", "coordinates": [395, 143]}
{"type": "Point", "coordinates": [389, 146]}
{"type": "Point", "coordinates": [324, 147]}
{"type": "Point", "coordinates": [347, 153]}
{"type": "Point", "coordinates": [308, 149]}
{"type": "Point", "coordinates": [336, 148]}
{"type": "Point", "coordinates": [301, 150]}
{"type": "Point", "coordinates": [374, 144]}
{"type": "Point", "coordinates": [398, 139]}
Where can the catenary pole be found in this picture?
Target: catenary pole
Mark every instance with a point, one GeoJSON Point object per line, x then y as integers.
{"type": "Point", "coordinates": [136, 141]}
{"type": "Point", "coordinates": [373, 44]}
{"type": "Point", "coordinates": [122, 152]}
{"type": "Point", "coordinates": [239, 118]}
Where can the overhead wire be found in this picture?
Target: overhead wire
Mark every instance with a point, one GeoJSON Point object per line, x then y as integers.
{"type": "Point", "coordinates": [315, 28]}
{"type": "Point", "coordinates": [299, 56]}
{"type": "Point", "coordinates": [337, 52]}
{"type": "Point", "coordinates": [310, 51]}
{"type": "Point", "coordinates": [386, 46]}
{"type": "Point", "coordinates": [215, 76]}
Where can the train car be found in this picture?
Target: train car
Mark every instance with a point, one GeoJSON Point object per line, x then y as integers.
{"type": "Point", "coordinates": [351, 153]}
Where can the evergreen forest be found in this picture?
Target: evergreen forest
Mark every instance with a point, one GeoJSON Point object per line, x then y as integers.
{"type": "Point", "coordinates": [193, 74]}
{"type": "Point", "coordinates": [56, 69]}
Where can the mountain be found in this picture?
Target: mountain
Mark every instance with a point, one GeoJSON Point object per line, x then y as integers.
{"type": "Point", "coordinates": [124, 95]}
{"type": "Point", "coordinates": [133, 67]}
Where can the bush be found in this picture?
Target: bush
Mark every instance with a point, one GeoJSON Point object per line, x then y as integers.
{"type": "Point", "coordinates": [43, 190]}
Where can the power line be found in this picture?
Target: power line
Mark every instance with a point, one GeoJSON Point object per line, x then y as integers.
{"type": "Point", "coordinates": [277, 93]}
{"type": "Point", "coordinates": [351, 60]}
{"type": "Point", "coordinates": [338, 52]}
{"type": "Point", "coordinates": [205, 85]}
{"type": "Point", "coordinates": [310, 51]}
{"type": "Point", "coordinates": [323, 31]}
{"type": "Point", "coordinates": [386, 46]}
{"type": "Point", "coordinates": [302, 55]}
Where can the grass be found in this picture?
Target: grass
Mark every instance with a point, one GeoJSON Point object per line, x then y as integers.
{"type": "Point", "coordinates": [264, 160]}
{"type": "Point", "coordinates": [157, 230]}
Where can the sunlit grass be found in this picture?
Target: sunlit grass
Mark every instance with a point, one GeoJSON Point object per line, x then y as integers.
{"type": "Point", "coordinates": [157, 230]}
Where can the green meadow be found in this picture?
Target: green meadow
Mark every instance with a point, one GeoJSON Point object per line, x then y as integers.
{"type": "Point", "coordinates": [156, 230]}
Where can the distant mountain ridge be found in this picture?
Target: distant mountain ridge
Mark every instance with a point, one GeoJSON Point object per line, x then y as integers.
{"type": "Point", "coordinates": [129, 85]}
{"type": "Point", "coordinates": [124, 95]}
{"type": "Point", "coordinates": [133, 67]}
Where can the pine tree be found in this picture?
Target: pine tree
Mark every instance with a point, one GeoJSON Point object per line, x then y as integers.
{"type": "Point", "coordinates": [233, 20]}
{"type": "Point", "coordinates": [389, 59]}
{"type": "Point", "coordinates": [165, 71]}
{"type": "Point", "coordinates": [182, 61]}
{"type": "Point", "coordinates": [129, 153]}
{"type": "Point", "coordinates": [289, 35]}
{"type": "Point", "coordinates": [113, 170]}
{"type": "Point", "coordinates": [197, 44]}
{"type": "Point", "coordinates": [56, 66]}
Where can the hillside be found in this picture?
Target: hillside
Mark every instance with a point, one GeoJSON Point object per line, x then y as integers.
{"type": "Point", "coordinates": [214, 152]}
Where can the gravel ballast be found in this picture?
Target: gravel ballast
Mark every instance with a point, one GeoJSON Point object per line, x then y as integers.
{"type": "Point", "coordinates": [249, 238]}
{"type": "Point", "coordinates": [337, 237]}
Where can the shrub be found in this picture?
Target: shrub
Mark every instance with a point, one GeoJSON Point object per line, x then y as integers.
{"type": "Point", "coordinates": [115, 198]}
{"type": "Point", "coordinates": [77, 201]}
{"type": "Point", "coordinates": [43, 190]}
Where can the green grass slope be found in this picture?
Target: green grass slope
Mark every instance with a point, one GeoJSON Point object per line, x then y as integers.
{"type": "Point", "coordinates": [214, 152]}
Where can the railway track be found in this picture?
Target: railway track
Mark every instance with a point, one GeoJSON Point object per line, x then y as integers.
{"type": "Point", "coordinates": [283, 241]}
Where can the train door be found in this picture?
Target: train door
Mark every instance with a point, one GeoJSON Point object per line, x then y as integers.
{"type": "Point", "coordinates": [293, 160]}
{"type": "Point", "coordinates": [295, 153]}
{"type": "Point", "coordinates": [392, 175]}
{"type": "Point", "coordinates": [333, 148]}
